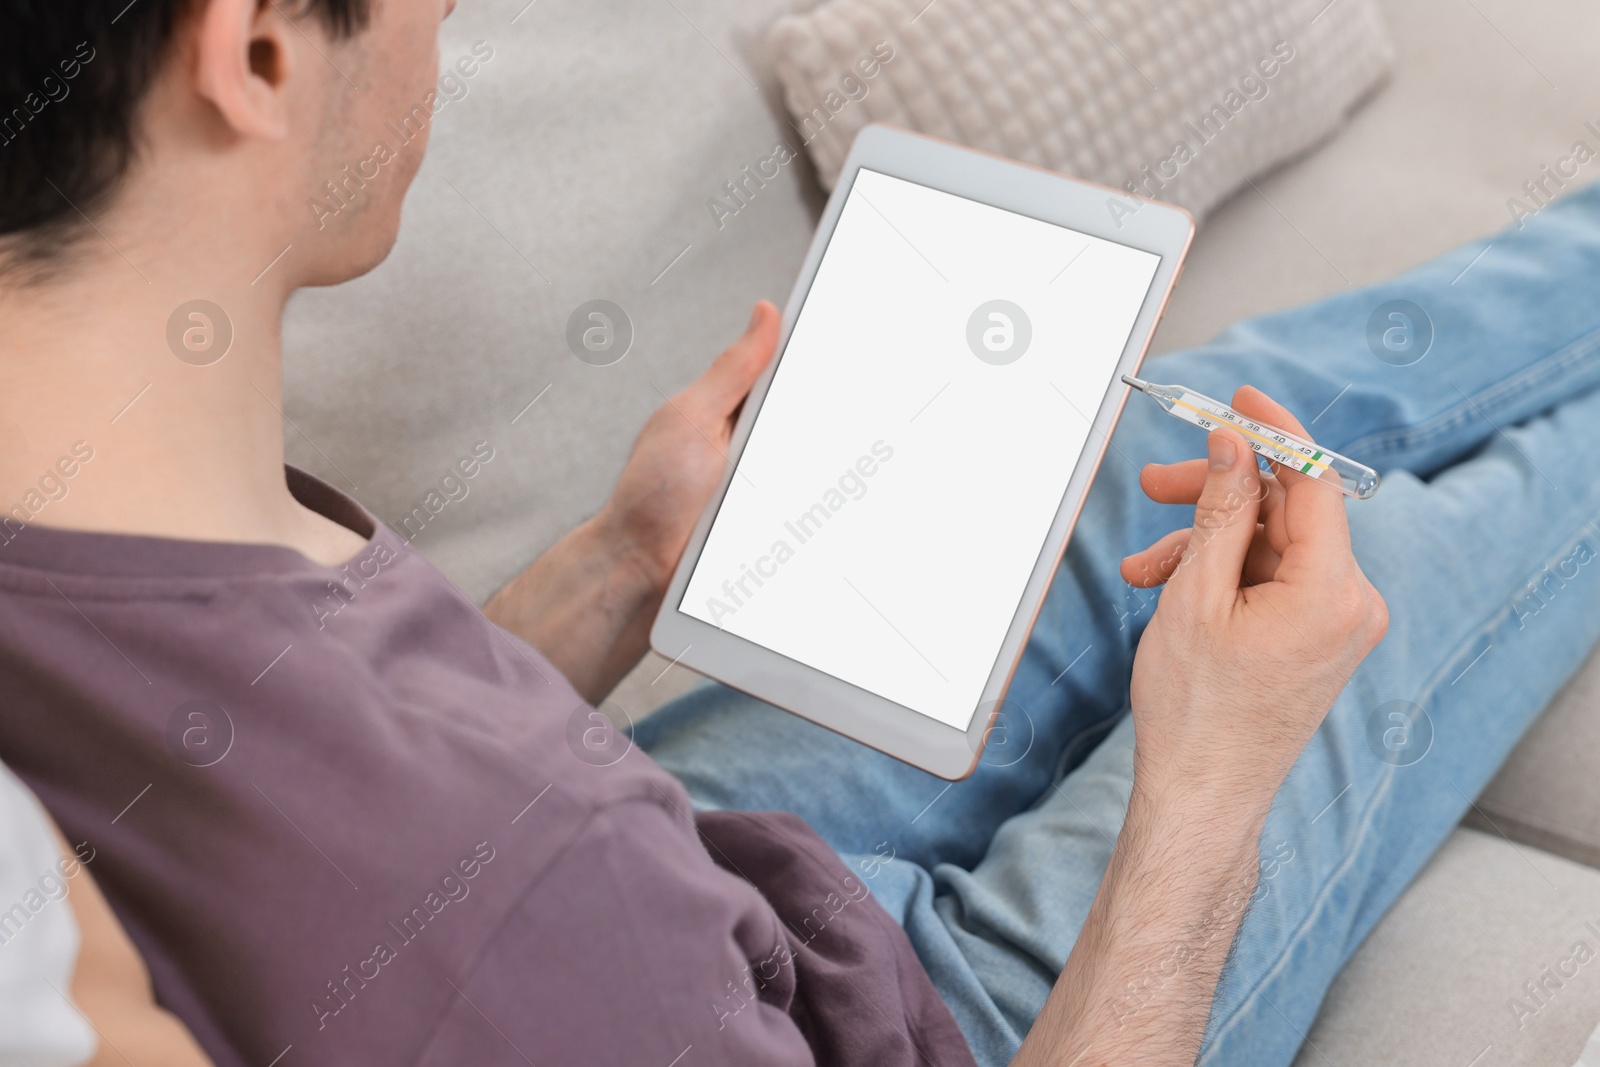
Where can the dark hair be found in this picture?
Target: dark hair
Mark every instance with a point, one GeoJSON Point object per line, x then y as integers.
{"type": "Point", "coordinates": [72, 76]}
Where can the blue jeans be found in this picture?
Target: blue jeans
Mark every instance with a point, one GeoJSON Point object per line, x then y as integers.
{"type": "Point", "coordinates": [1482, 539]}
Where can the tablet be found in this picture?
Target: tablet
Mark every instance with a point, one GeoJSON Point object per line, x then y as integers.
{"type": "Point", "coordinates": [903, 478]}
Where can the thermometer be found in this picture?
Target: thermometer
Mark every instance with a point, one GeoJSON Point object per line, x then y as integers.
{"type": "Point", "coordinates": [1280, 446]}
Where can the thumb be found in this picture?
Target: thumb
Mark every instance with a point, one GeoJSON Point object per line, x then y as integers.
{"type": "Point", "coordinates": [1224, 522]}
{"type": "Point", "coordinates": [719, 391]}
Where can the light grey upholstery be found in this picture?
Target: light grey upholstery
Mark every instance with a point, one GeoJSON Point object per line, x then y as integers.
{"type": "Point", "coordinates": [1438, 983]}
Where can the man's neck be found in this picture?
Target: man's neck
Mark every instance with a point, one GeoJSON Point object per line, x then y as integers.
{"type": "Point", "coordinates": [102, 354]}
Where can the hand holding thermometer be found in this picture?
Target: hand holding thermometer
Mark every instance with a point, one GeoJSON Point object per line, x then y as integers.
{"type": "Point", "coordinates": [1277, 445]}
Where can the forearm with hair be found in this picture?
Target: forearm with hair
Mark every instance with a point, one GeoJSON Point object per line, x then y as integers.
{"type": "Point", "coordinates": [587, 605]}
{"type": "Point", "coordinates": [1138, 985]}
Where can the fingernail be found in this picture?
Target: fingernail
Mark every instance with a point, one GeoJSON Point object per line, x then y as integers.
{"type": "Point", "coordinates": [755, 317]}
{"type": "Point", "coordinates": [1222, 451]}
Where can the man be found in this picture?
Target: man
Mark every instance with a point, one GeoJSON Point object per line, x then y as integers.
{"type": "Point", "coordinates": [371, 842]}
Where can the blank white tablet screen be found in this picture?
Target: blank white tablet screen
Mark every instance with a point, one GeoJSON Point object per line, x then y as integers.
{"type": "Point", "coordinates": [911, 454]}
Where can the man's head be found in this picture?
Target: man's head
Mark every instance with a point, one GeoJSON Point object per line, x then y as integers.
{"type": "Point", "coordinates": [177, 124]}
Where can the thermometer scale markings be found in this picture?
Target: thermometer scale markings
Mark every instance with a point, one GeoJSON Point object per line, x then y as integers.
{"type": "Point", "coordinates": [1279, 446]}
{"type": "Point", "coordinates": [1244, 427]}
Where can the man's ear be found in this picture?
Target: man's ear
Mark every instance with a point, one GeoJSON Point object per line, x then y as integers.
{"type": "Point", "coordinates": [245, 52]}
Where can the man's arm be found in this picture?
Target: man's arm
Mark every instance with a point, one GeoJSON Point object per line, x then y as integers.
{"type": "Point", "coordinates": [1225, 693]}
{"type": "Point", "coordinates": [587, 603]}
{"type": "Point", "coordinates": [1264, 618]}
{"type": "Point", "coordinates": [111, 987]}
{"type": "Point", "coordinates": [1138, 985]}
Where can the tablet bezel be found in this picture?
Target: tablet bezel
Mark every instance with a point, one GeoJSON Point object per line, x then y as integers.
{"type": "Point", "coordinates": [838, 705]}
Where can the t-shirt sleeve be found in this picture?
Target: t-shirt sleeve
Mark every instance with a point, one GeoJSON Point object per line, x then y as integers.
{"type": "Point", "coordinates": [633, 947]}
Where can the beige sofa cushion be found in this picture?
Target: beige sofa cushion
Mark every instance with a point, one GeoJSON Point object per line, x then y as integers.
{"type": "Point", "coordinates": [1183, 100]}
{"type": "Point", "coordinates": [1441, 978]}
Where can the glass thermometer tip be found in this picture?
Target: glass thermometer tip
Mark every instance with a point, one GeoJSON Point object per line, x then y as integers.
{"type": "Point", "coordinates": [1279, 446]}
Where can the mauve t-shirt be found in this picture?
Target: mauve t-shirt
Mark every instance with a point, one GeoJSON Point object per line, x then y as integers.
{"type": "Point", "coordinates": [349, 821]}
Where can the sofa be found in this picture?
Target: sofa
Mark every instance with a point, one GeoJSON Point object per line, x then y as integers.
{"type": "Point", "coordinates": [576, 162]}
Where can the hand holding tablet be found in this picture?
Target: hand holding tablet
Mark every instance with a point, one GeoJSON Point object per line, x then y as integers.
{"type": "Point", "coordinates": [904, 477]}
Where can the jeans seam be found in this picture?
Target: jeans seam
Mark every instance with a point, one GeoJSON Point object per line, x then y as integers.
{"type": "Point", "coordinates": [1490, 624]}
{"type": "Point", "coordinates": [1411, 437]}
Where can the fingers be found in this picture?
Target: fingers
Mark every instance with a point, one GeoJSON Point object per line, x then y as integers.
{"type": "Point", "coordinates": [1181, 483]}
{"type": "Point", "coordinates": [1224, 523]}
{"type": "Point", "coordinates": [1248, 400]}
{"type": "Point", "coordinates": [1272, 512]}
{"type": "Point", "coordinates": [1173, 483]}
{"type": "Point", "coordinates": [719, 391]}
{"type": "Point", "coordinates": [1153, 566]}
{"type": "Point", "coordinates": [1156, 564]}
{"type": "Point", "coordinates": [1313, 512]}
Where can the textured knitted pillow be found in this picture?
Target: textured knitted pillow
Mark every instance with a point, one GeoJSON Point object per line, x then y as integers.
{"type": "Point", "coordinates": [1181, 100]}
